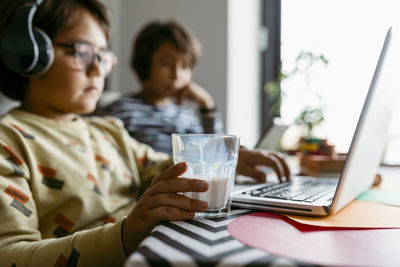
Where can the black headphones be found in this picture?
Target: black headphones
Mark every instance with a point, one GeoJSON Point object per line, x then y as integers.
{"type": "Point", "coordinates": [25, 49]}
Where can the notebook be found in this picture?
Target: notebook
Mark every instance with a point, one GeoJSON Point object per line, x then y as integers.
{"type": "Point", "coordinates": [323, 196]}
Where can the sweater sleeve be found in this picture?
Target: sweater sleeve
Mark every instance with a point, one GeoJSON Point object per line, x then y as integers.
{"type": "Point", "coordinates": [21, 243]}
{"type": "Point", "coordinates": [150, 163]}
{"type": "Point", "coordinates": [142, 157]}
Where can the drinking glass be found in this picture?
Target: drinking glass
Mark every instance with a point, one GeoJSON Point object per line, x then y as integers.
{"type": "Point", "coordinates": [213, 158]}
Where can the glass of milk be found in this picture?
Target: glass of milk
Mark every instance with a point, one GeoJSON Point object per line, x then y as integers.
{"type": "Point", "coordinates": [213, 158]}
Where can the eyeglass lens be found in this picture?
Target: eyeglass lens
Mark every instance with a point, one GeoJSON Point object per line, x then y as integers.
{"type": "Point", "coordinates": [86, 57]}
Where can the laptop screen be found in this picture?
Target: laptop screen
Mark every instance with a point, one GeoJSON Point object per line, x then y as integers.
{"type": "Point", "coordinates": [366, 149]}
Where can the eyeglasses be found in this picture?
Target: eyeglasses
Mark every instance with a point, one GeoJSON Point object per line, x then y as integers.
{"type": "Point", "coordinates": [86, 55]}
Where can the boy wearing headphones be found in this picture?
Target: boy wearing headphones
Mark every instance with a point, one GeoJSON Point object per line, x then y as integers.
{"type": "Point", "coordinates": [67, 181]}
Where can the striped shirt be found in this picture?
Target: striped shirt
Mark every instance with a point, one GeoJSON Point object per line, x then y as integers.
{"type": "Point", "coordinates": [154, 126]}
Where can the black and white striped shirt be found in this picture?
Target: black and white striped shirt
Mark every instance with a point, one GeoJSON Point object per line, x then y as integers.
{"type": "Point", "coordinates": [154, 126]}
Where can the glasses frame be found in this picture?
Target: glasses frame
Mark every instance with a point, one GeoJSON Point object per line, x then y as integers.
{"type": "Point", "coordinates": [97, 55]}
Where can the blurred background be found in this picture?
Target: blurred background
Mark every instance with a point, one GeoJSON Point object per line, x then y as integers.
{"type": "Point", "coordinates": [274, 58]}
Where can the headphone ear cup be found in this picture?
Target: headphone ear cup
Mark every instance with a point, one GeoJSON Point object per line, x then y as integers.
{"type": "Point", "coordinates": [18, 50]}
{"type": "Point", "coordinates": [26, 50]}
{"type": "Point", "coordinates": [45, 53]}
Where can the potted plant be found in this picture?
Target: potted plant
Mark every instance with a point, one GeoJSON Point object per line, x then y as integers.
{"type": "Point", "coordinates": [310, 116]}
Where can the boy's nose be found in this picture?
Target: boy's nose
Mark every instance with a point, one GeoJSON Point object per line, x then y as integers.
{"type": "Point", "coordinates": [96, 69]}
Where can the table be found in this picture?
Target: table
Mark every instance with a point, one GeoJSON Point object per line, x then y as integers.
{"type": "Point", "coordinates": [201, 242]}
{"type": "Point", "coordinates": [206, 242]}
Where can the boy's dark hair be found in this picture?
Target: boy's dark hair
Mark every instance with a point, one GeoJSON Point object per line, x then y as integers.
{"type": "Point", "coordinates": [152, 36]}
{"type": "Point", "coordinates": [52, 16]}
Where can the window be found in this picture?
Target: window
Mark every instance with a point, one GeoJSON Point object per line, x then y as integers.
{"type": "Point", "coordinates": [350, 35]}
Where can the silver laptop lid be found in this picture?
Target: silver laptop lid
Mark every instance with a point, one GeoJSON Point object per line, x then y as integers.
{"type": "Point", "coordinates": [364, 155]}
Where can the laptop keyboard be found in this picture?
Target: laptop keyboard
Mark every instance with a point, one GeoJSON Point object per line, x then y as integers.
{"type": "Point", "coordinates": [307, 191]}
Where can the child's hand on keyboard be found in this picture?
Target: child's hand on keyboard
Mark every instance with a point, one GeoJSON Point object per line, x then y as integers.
{"type": "Point", "coordinates": [250, 161]}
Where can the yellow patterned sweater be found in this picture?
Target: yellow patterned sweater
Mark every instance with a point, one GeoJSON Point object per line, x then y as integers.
{"type": "Point", "coordinates": [64, 188]}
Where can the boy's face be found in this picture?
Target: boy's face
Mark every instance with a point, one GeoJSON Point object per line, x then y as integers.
{"type": "Point", "coordinates": [66, 90]}
{"type": "Point", "coordinates": [170, 71]}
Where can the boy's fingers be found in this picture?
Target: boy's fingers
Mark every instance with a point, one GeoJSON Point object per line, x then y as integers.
{"type": "Point", "coordinates": [273, 162]}
{"type": "Point", "coordinates": [286, 169]}
{"type": "Point", "coordinates": [178, 185]}
{"type": "Point", "coordinates": [177, 201]}
{"type": "Point", "coordinates": [171, 172]}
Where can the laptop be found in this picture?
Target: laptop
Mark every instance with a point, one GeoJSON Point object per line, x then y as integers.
{"type": "Point", "coordinates": [324, 196]}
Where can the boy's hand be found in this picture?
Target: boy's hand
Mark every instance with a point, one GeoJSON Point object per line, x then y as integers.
{"type": "Point", "coordinates": [249, 160]}
{"type": "Point", "coordinates": [196, 93]}
{"type": "Point", "coordinates": [161, 202]}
